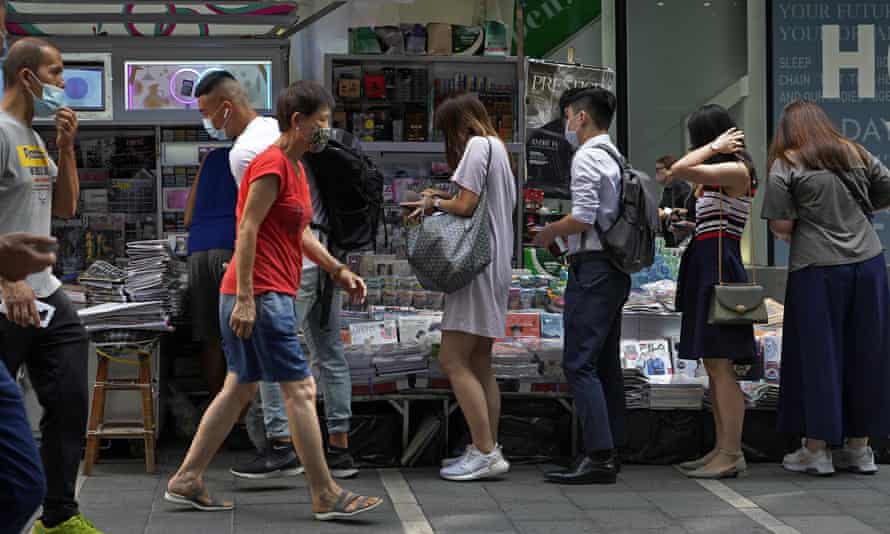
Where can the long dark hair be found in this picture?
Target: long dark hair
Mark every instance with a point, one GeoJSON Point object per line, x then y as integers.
{"type": "Point", "coordinates": [706, 125]}
{"type": "Point", "coordinates": [806, 130]}
{"type": "Point", "coordinates": [461, 117]}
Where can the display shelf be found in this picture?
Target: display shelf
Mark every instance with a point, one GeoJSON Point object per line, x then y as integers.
{"type": "Point", "coordinates": [420, 147]}
{"type": "Point", "coordinates": [406, 90]}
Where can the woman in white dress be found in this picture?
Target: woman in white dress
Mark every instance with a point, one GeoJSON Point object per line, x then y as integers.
{"type": "Point", "coordinates": [476, 314]}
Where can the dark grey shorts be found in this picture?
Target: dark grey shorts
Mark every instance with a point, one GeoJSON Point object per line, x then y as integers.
{"type": "Point", "coordinates": [205, 276]}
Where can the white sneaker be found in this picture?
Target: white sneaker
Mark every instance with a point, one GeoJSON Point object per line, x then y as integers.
{"type": "Point", "coordinates": [451, 461]}
{"type": "Point", "coordinates": [861, 461]}
{"type": "Point", "coordinates": [476, 466]}
{"type": "Point", "coordinates": [804, 461]}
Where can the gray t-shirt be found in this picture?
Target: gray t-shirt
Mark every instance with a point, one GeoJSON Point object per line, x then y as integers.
{"type": "Point", "coordinates": [830, 227]}
{"type": "Point", "coordinates": [26, 190]}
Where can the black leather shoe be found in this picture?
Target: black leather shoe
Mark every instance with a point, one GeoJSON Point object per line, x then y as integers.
{"type": "Point", "coordinates": [587, 471]}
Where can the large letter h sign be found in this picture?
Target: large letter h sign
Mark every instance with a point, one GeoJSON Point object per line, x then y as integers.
{"type": "Point", "coordinates": [833, 60]}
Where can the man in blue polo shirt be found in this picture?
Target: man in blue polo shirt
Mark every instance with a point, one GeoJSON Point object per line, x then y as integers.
{"type": "Point", "coordinates": [210, 219]}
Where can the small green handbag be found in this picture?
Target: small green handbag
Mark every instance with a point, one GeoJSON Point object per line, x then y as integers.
{"type": "Point", "coordinates": [736, 304]}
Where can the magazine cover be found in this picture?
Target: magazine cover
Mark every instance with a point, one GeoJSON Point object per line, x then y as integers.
{"type": "Point", "coordinates": [688, 368]}
{"type": "Point", "coordinates": [630, 354]}
{"type": "Point", "coordinates": [523, 325]}
{"type": "Point", "coordinates": [655, 360]}
{"type": "Point", "coordinates": [375, 333]}
{"type": "Point", "coordinates": [549, 155]}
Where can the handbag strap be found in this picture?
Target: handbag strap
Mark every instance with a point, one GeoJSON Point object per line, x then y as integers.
{"type": "Point", "coordinates": [484, 183]}
{"type": "Point", "coordinates": [483, 197]}
{"type": "Point", "coordinates": [722, 231]}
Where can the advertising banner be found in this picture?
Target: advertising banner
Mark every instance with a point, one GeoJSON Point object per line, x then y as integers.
{"type": "Point", "coordinates": [549, 154]}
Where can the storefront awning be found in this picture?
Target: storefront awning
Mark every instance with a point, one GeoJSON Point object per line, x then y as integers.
{"type": "Point", "coordinates": [160, 18]}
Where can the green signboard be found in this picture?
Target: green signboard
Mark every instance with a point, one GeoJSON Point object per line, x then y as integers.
{"type": "Point", "coordinates": [550, 23]}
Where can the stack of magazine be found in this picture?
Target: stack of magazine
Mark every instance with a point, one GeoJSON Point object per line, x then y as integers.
{"type": "Point", "coordinates": [402, 360]}
{"type": "Point", "coordinates": [361, 367]}
{"type": "Point", "coordinates": [513, 360]}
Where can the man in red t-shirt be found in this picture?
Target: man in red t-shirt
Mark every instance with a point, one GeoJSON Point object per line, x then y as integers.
{"type": "Point", "coordinates": [257, 309]}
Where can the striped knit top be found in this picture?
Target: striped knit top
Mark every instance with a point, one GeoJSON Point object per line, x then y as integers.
{"type": "Point", "coordinates": [736, 212]}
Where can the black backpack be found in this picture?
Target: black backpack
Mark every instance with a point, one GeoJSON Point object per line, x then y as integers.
{"type": "Point", "coordinates": [351, 190]}
{"type": "Point", "coordinates": [630, 241]}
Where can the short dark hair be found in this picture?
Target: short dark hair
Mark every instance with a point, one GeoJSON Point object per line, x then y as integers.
{"type": "Point", "coordinates": [598, 102]}
{"type": "Point", "coordinates": [210, 81]}
{"type": "Point", "coordinates": [305, 97]}
{"type": "Point", "coordinates": [28, 53]}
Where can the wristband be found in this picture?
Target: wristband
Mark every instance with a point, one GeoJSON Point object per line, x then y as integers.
{"type": "Point", "coordinates": [437, 203]}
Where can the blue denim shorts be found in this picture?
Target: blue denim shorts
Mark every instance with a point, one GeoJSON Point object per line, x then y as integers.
{"type": "Point", "coordinates": [273, 352]}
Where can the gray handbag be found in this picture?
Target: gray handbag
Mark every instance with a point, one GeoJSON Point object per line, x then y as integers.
{"type": "Point", "coordinates": [447, 251]}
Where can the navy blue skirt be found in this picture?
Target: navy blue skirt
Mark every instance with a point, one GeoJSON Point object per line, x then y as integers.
{"type": "Point", "coordinates": [695, 289]}
{"type": "Point", "coordinates": [836, 352]}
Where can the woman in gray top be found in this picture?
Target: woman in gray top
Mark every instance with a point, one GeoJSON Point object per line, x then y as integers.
{"type": "Point", "coordinates": [835, 365]}
{"type": "Point", "coordinates": [476, 314]}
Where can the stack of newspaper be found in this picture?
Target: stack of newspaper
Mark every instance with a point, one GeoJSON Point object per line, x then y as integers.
{"type": "Point", "coordinates": [154, 274]}
{"type": "Point", "coordinates": [677, 395]}
{"type": "Point", "coordinates": [635, 392]}
{"type": "Point", "coordinates": [103, 283]}
{"type": "Point", "coordinates": [125, 316]}
{"type": "Point", "coordinates": [147, 269]}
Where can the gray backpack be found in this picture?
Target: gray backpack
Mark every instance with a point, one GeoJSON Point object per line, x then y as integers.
{"type": "Point", "coordinates": [630, 241]}
{"type": "Point", "coordinates": [448, 251]}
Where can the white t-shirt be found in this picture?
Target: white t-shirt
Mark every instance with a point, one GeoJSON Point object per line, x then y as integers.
{"type": "Point", "coordinates": [253, 141]}
{"type": "Point", "coordinates": [256, 138]}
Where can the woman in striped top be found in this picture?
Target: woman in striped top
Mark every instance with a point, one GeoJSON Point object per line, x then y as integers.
{"type": "Point", "coordinates": [725, 179]}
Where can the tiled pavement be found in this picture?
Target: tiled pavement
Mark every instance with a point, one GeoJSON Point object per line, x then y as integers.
{"type": "Point", "coordinates": [121, 499]}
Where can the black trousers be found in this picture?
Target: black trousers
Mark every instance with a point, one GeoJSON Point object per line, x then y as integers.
{"type": "Point", "coordinates": [594, 299]}
{"type": "Point", "coordinates": [56, 359]}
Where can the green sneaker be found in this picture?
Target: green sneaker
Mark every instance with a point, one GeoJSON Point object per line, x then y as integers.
{"type": "Point", "coordinates": [76, 525]}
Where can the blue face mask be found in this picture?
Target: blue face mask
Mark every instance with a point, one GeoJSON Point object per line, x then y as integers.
{"type": "Point", "coordinates": [216, 133]}
{"type": "Point", "coordinates": [572, 137]}
{"type": "Point", "coordinates": [51, 101]}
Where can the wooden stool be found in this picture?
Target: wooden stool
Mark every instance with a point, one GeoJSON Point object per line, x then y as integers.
{"type": "Point", "coordinates": [98, 428]}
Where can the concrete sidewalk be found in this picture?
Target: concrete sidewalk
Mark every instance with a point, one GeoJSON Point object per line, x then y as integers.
{"type": "Point", "coordinates": [121, 499]}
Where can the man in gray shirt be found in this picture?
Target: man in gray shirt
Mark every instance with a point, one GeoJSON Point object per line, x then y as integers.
{"type": "Point", "coordinates": [33, 189]}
